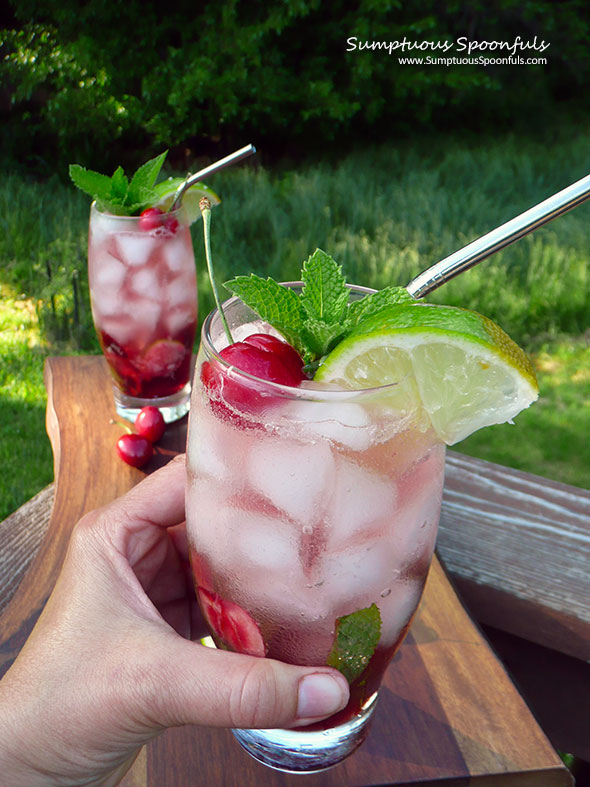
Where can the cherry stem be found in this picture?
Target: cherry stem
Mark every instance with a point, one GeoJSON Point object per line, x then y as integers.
{"type": "Point", "coordinates": [126, 427]}
{"type": "Point", "coordinates": [205, 207]}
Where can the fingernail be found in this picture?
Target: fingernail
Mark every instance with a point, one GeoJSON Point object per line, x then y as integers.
{"type": "Point", "coordinates": [321, 694]}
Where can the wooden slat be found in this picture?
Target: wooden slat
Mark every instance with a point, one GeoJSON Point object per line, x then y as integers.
{"type": "Point", "coordinates": [518, 546]}
{"type": "Point", "coordinates": [21, 534]}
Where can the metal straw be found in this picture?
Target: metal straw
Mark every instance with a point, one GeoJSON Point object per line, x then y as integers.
{"type": "Point", "coordinates": [238, 155]}
{"type": "Point", "coordinates": [497, 239]}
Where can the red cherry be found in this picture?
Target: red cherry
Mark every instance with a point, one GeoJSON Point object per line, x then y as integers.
{"type": "Point", "coordinates": [289, 356]}
{"type": "Point", "coordinates": [150, 423]}
{"type": "Point", "coordinates": [171, 223]}
{"type": "Point", "coordinates": [150, 219]}
{"type": "Point", "coordinates": [235, 627]}
{"type": "Point", "coordinates": [265, 364]}
{"type": "Point", "coordinates": [134, 449]}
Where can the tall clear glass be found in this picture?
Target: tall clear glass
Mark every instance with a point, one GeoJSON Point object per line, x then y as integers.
{"type": "Point", "coordinates": [305, 505]}
{"type": "Point", "coordinates": [143, 291]}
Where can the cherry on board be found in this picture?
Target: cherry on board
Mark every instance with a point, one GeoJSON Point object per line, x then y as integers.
{"type": "Point", "coordinates": [134, 449]}
{"type": "Point", "coordinates": [150, 423]}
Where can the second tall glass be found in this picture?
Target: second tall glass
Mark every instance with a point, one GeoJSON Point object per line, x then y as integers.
{"type": "Point", "coordinates": [143, 291]}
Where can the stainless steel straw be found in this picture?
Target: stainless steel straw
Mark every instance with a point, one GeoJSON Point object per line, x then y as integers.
{"type": "Point", "coordinates": [238, 155]}
{"type": "Point", "coordinates": [497, 239]}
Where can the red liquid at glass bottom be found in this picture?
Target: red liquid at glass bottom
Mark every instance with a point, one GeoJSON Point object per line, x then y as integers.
{"type": "Point", "coordinates": [160, 370]}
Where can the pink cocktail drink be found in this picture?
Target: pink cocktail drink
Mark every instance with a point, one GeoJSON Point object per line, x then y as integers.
{"type": "Point", "coordinates": [304, 506]}
{"type": "Point", "coordinates": [144, 303]}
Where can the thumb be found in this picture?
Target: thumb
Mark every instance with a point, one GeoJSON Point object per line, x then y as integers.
{"type": "Point", "coordinates": [193, 684]}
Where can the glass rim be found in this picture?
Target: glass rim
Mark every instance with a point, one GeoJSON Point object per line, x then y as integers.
{"type": "Point", "coordinates": [292, 392]}
{"type": "Point", "coordinates": [95, 209]}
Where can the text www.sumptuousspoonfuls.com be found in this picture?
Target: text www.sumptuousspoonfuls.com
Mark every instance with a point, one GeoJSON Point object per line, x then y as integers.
{"type": "Point", "coordinates": [464, 51]}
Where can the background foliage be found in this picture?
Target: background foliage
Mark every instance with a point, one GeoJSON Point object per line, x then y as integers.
{"type": "Point", "coordinates": [105, 80]}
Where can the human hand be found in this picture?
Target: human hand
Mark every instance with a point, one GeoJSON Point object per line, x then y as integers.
{"type": "Point", "coordinates": [110, 662]}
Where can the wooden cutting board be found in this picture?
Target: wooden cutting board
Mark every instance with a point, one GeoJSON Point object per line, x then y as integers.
{"type": "Point", "coordinates": [447, 714]}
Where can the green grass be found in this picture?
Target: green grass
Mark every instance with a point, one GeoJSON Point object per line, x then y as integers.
{"type": "Point", "coordinates": [25, 452]}
{"type": "Point", "coordinates": [385, 214]}
{"type": "Point", "coordinates": [551, 437]}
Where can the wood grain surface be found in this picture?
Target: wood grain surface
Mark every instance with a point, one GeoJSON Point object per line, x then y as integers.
{"type": "Point", "coordinates": [518, 547]}
{"type": "Point", "coordinates": [447, 714]}
{"type": "Point", "coordinates": [21, 534]}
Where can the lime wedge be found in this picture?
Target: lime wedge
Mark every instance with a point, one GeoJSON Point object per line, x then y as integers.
{"type": "Point", "coordinates": [190, 201]}
{"type": "Point", "coordinates": [468, 371]}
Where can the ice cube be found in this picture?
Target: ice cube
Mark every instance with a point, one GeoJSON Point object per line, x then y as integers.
{"type": "Point", "coordinates": [274, 583]}
{"type": "Point", "coordinates": [296, 478]}
{"type": "Point", "coordinates": [106, 273]}
{"type": "Point", "coordinates": [146, 314]}
{"type": "Point", "coordinates": [121, 327]}
{"type": "Point", "coordinates": [106, 302]}
{"type": "Point", "coordinates": [415, 525]}
{"type": "Point", "coordinates": [205, 450]}
{"type": "Point", "coordinates": [103, 226]}
{"type": "Point", "coordinates": [135, 247]}
{"type": "Point", "coordinates": [145, 282]}
{"type": "Point", "coordinates": [178, 319]}
{"type": "Point", "coordinates": [219, 442]}
{"type": "Point", "coordinates": [207, 516]}
{"type": "Point", "coordinates": [181, 290]}
{"type": "Point", "coordinates": [346, 423]}
{"type": "Point", "coordinates": [419, 499]}
{"type": "Point", "coordinates": [397, 603]}
{"type": "Point", "coordinates": [264, 542]}
{"type": "Point", "coordinates": [362, 502]}
{"type": "Point", "coordinates": [176, 254]}
{"type": "Point", "coordinates": [353, 578]}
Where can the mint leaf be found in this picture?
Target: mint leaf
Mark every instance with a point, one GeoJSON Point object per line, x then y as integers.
{"type": "Point", "coordinates": [141, 188]}
{"type": "Point", "coordinates": [324, 295]}
{"type": "Point", "coordinates": [116, 194]}
{"type": "Point", "coordinates": [119, 186]}
{"type": "Point", "coordinates": [357, 636]}
{"type": "Point", "coordinates": [147, 174]}
{"type": "Point", "coordinates": [273, 303]}
{"type": "Point", "coordinates": [93, 183]}
{"type": "Point", "coordinates": [376, 301]}
{"type": "Point", "coordinates": [320, 337]}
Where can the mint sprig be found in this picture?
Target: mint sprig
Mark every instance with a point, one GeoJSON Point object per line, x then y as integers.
{"type": "Point", "coordinates": [318, 318]}
{"type": "Point", "coordinates": [118, 194]}
{"type": "Point", "coordinates": [357, 636]}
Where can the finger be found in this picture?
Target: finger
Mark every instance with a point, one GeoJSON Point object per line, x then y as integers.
{"type": "Point", "coordinates": [157, 500]}
{"type": "Point", "coordinates": [192, 684]}
{"type": "Point", "coordinates": [179, 538]}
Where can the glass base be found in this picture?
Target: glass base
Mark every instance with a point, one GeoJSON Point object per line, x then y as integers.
{"type": "Point", "coordinates": [298, 751]}
{"type": "Point", "coordinates": [172, 407]}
